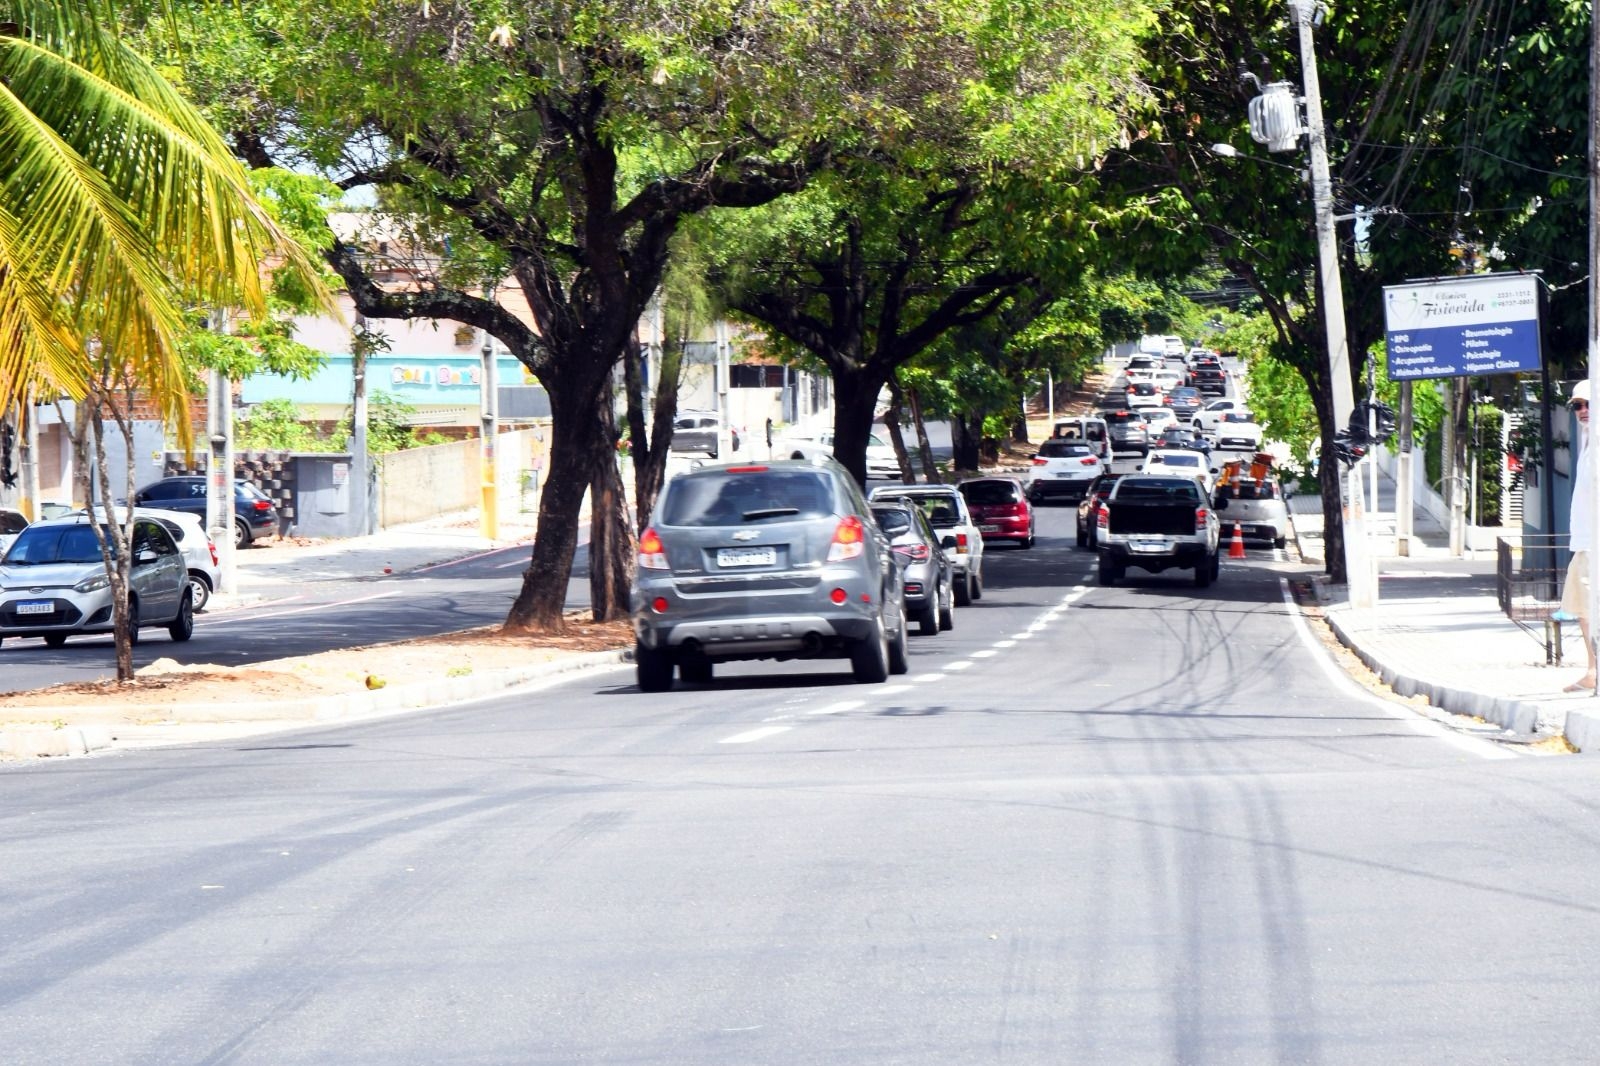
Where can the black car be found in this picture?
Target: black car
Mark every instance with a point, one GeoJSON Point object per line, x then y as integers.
{"type": "Point", "coordinates": [1089, 509]}
{"type": "Point", "coordinates": [925, 571]}
{"type": "Point", "coordinates": [1185, 402]}
{"type": "Point", "coordinates": [1210, 380]}
{"type": "Point", "coordinates": [254, 515]}
{"type": "Point", "coordinates": [1128, 431]}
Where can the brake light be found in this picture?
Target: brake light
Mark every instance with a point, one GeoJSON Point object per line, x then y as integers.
{"type": "Point", "coordinates": [961, 544]}
{"type": "Point", "coordinates": [1200, 519]}
{"type": "Point", "coordinates": [652, 553]}
{"type": "Point", "coordinates": [263, 505]}
{"type": "Point", "coordinates": [1040, 462]}
{"type": "Point", "coordinates": [747, 469]}
{"type": "Point", "coordinates": [212, 545]}
{"type": "Point", "coordinates": [1088, 461]}
{"type": "Point", "coordinates": [849, 540]}
{"type": "Point", "coordinates": [1102, 517]}
{"type": "Point", "coordinates": [915, 552]}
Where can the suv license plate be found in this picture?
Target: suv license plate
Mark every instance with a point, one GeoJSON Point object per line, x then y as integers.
{"type": "Point", "coordinates": [746, 556]}
{"type": "Point", "coordinates": [37, 607]}
{"type": "Point", "coordinates": [1147, 544]}
{"type": "Point", "coordinates": [988, 529]}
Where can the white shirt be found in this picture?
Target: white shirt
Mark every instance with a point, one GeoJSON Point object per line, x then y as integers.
{"type": "Point", "coordinates": [1582, 522]}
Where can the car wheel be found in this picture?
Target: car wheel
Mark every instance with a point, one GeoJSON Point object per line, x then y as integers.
{"type": "Point", "coordinates": [1027, 542]}
{"type": "Point", "coordinates": [241, 533]}
{"type": "Point", "coordinates": [199, 589]}
{"type": "Point", "coordinates": [696, 671]}
{"type": "Point", "coordinates": [898, 662]}
{"type": "Point", "coordinates": [1205, 573]}
{"type": "Point", "coordinates": [133, 621]}
{"type": "Point", "coordinates": [1280, 542]}
{"type": "Point", "coordinates": [652, 668]}
{"type": "Point", "coordinates": [962, 585]}
{"type": "Point", "coordinates": [182, 627]}
{"type": "Point", "coordinates": [1109, 571]}
{"type": "Point", "coordinates": [947, 611]}
{"type": "Point", "coordinates": [869, 657]}
{"type": "Point", "coordinates": [977, 585]}
{"type": "Point", "coordinates": [928, 617]}
{"type": "Point", "coordinates": [1083, 536]}
{"type": "Point", "coordinates": [55, 640]}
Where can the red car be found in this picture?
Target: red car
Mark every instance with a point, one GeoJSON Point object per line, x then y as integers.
{"type": "Point", "coordinates": [1000, 508]}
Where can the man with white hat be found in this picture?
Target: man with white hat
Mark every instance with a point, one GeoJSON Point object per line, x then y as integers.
{"type": "Point", "coordinates": [1575, 592]}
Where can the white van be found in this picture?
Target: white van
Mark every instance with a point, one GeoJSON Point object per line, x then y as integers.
{"type": "Point", "coordinates": [1088, 428]}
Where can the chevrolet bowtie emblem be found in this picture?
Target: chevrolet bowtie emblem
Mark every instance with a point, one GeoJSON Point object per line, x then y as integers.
{"type": "Point", "coordinates": [747, 534]}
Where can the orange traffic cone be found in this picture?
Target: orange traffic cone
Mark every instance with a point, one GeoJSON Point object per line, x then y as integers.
{"type": "Point", "coordinates": [1236, 548]}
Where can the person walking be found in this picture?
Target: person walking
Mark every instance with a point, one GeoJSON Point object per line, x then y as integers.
{"type": "Point", "coordinates": [1575, 591]}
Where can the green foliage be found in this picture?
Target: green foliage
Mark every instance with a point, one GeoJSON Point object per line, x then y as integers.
{"type": "Point", "coordinates": [275, 425]}
{"type": "Point", "coordinates": [389, 426]}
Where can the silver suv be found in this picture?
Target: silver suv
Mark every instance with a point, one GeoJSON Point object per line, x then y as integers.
{"type": "Point", "coordinates": [778, 560]}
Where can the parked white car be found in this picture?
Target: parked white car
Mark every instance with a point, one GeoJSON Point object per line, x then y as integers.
{"type": "Point", "coordinates": [880, 454]}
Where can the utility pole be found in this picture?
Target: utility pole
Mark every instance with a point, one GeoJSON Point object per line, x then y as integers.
{"type": "Point", "coordinates": [489, 514]}
{"type": "Point", "coordinates": [360, 451]}
{"type": "Point", "coordinates": [1593, 606]}
{"type": "Point", "coordinates": [220, 516]}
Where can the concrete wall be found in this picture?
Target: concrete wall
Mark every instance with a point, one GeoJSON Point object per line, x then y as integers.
{"type": "Point", "coordinates": [420, 483]}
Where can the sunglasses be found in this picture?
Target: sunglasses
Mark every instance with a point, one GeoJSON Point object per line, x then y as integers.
{"type": "Point", "coordinates": [1579, 405]}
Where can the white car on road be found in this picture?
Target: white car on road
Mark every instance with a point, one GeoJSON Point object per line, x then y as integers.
{"type": "Point", "coordinates": [949, 515]}
{"type": "Point", "coordinates": [1206, 421]}
{"type": "Point", "coordinates": [881, 462]}
{"type": "Point", "coordinates": [1237, 431]}
{"type": "Point", "coordinates": [1179, 461]}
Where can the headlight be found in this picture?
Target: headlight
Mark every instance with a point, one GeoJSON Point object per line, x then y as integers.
{"type": "Point", "coordinates": [92, 584]}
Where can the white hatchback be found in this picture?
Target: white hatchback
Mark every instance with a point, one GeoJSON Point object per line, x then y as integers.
{"type": "Point", "coordinates": [1179, 461]}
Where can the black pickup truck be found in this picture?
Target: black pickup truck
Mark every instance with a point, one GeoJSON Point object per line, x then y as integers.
{"type": "Point", "coordinates": [1158, 522]}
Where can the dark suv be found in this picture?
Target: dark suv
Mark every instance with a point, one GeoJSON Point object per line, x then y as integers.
{"type": "Point", "coordinates": [777, 560]}
{"type": "Point", "coordinates": [1128, 431]}
{"type": "Point", "coordinates": [253, 514]}
{"type": "Point", "coordinates": [1210, 380]}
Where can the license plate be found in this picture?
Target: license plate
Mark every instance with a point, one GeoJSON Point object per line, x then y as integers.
{"type": "Point", "coordinates": [36, 607]}
{"type": "Point", "coordinates": [988, 529]}
{"type": "Point", "coordinates": [746, 556]}
{"type": "Point", "coordinates": [1147, 545]}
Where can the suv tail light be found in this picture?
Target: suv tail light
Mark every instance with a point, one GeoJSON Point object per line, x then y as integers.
{"type": "Point", "coordinates": [213, 546]}
{"type": "Point", "coordinates": [917, 552]}
{"type": "Point", "coordinates": [849, 540]}
{"type": "Point", "coordinates": [262, 505]}
{"type": "Point", "coordinates": [1200, 515]}
{"type": "Point", "coordinates": [1102, 516]}
{"type": "Point", "coordinates": [1040, 462]}
{"type": "Point", "coordinates": [1088, 460]}
{"type": "Point", "coordinates": [652, 553]}
{"type": "Point", "coordinates": [961, 544]}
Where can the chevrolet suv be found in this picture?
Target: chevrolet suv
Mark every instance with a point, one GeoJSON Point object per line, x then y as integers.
{"type": "Point", "coordinates": [779, 560]}
{"type": "Point", "coordinates": [1128, 431]}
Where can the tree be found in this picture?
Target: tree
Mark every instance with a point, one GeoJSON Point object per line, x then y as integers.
{"type": "Point", "coordinates": [560, 145]}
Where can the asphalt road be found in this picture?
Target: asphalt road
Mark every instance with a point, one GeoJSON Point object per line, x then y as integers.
{"type": "Point", "coordinates": [1144, 824]}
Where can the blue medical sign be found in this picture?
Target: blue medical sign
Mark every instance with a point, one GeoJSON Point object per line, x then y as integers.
{"type": "Point", "coordinates": [1460, 327]}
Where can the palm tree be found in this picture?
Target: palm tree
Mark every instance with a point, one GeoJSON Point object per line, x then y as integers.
{"type": "Point", "coordinates": [118, 204]}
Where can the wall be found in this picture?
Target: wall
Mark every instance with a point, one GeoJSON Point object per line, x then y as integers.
{"type": "Point", "coordinates": [421, 483]}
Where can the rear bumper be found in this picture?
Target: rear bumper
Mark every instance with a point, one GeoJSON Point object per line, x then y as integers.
{"type": "Point", "coordinates": [1181, 556]}
{"type": "Point", "coordinates": [1058, 488]}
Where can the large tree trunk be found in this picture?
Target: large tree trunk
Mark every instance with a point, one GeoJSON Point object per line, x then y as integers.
{"type": "Point", "coordinates": [611, 542]}
{"type": "Point", "coordinates": [1330, 478]}
{"type": "Point", "coordinates": [930, 471]}
{"type": "Point", "coordinates": [652, 446]}
{"type": "Point", "coordinates": [855, 395]}
{"type": "Point", "coordinates": [965, 443]}
{"type": "Point", "coordinates": [897, 438]}
{"type": "Point", "coordinates": [575, 434]}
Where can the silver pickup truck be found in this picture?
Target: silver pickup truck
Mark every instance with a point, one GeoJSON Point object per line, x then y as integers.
{"type": "Point", "coordinates": [1158, 522]}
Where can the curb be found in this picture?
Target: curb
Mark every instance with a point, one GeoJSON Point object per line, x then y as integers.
{"type": "Point", "coordinates": [89, 729]}
{"type": "Point", "coordinates": [1521, 716]}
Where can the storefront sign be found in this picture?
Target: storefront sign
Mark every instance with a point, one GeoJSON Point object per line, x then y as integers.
{"type": "Point", "coordinates": [1461, 327]}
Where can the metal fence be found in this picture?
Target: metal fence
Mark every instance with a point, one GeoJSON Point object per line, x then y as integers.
{"type": "Point", "coordinates": [1528, 576]}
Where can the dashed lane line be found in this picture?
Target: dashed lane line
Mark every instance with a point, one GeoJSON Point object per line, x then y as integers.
{"type": "Point", "coordinates": [760, 733]}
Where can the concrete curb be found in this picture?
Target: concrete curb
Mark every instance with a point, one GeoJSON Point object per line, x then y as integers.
{"type": "Point", "coordinates": [1521, 716]}
{"type": "Point", "coordinates": [86, 728]}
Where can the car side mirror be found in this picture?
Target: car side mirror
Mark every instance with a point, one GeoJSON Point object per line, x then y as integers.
{"type": "Point", "coordinates": [146, 555]}
{"type": "Point", "coordinates": [1221, 503]}
{"type": "Point", "coordinates": [947, 541]}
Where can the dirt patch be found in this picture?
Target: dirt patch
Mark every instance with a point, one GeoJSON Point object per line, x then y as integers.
{"type": "Point", "coordinates": [333, 673]}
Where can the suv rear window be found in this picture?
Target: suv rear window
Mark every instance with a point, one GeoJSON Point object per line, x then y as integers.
{"type": "Point", "coordinates": [1142, 388]}
{"type": "Point", "coordinates": [726, 498]}
{"type": "Point", "coordinates": [1248, 490]}
{"type": "Point", "coordinates": [1061, 449]}
{"type": "Point", "coordinates": [1122, 418]}
{"type": "Point", "coordinates": [1003, 491]}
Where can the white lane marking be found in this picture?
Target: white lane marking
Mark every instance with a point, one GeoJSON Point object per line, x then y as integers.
{"type": "Point", "coordinates": [892, 690]}
{"type": "Point", "coordinates": [1004, 644]}
{"type": "Point", "coordinates": [924, 678]}
{"type": "Point", "coordinates": [1025, 635]}
{"type": "Point", "coordinates": [956, 666]}
{"type": "Point", "coordinates": [756, 734]}
{"type": "Point", "coordinates": [986, 653]}
{"type": "Point", "coordinates": [251, 616]}
{"type": "Point", "coordinates": [1039, 627]}
{"type": "Point", "coordinates": [846, 705]}
{"type": "Point", "coordinates": [1472, 745]}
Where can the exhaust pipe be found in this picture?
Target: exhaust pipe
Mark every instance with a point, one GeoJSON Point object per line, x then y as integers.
{"type": "Point", "coordinates": [811, 644]}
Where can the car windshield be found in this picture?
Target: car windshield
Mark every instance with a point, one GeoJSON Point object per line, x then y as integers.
{"type": "Point", "coordinates": [1062, 449]}
{"type": "Point", "coordinates": [46, 545]}
{"type": "Point", "coordinates": [727, 498]}
{"type": "Point", "coordinates": [941, 510]}
{"type": "Point", "coordinates": [1122, 418]}
{"type": "Point", "coordinates": [1247, 490]}
{"type": "Point", "coordinates": [1238, 416]}
{"type": "Point", "coordinates": [983, 492]}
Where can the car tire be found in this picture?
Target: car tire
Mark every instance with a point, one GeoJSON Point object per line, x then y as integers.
{"type": "Point", "coordinates": [928, 617]}
{"type": "Point", "coordinates": [652, 668]}
{"type": "Point", "coordinates": [241, 533]}
{"type": "Point", "coordinates": [200, 590]}
{"type": "Point", "coordinates": [947, 611]}
{"type": "Point", "coordinates": [182, 627]}
{"type": "Point", "coordinates": [1280, 542]}
{"type": "Point", "coordinates": [1206, 572]}
{"type": "Point", "coordinates": [1109, 572]}
{"type": "Point", "coordinates": [869, 657]}
{"type": "Point", "coordinates": [1083, 536]}
{"type": "Point", "coordinates": [55, 640]}
{"type": "Point", "coordinates": [961, 586]}
{"type": "Point", "coordinates": [696, 671]}
{"type": "Point", "coordinates": [1027, 542]}
{"type": "Point", "coordinates": [976, 581]}
{"type": "Point", "coordinates": [899, 663]}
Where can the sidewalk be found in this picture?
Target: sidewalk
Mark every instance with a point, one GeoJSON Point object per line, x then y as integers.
{"type": "Point", "coordinates": [1437, 631]}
